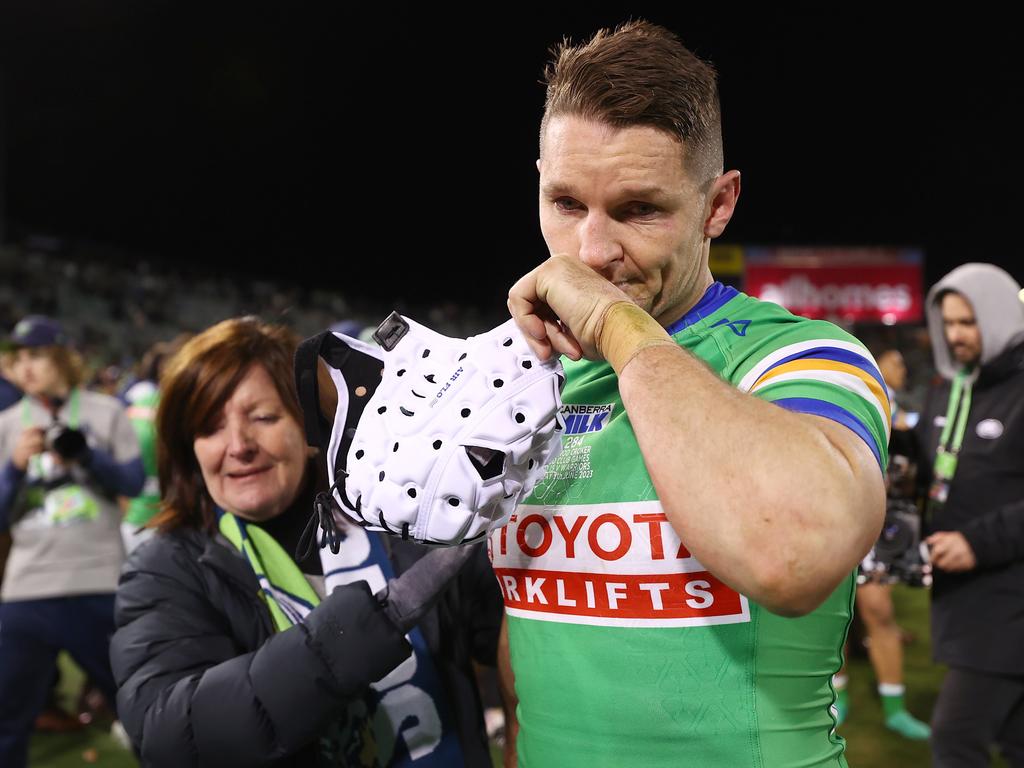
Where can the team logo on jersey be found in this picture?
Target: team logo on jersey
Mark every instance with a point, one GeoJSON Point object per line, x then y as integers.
{"type": "Point", "coordinates": [581, 419]}
{"type": "Point", "coordinates": [739, 327]}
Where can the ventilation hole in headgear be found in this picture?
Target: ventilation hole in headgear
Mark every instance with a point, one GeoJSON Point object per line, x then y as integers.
{"type": "Point", "coordinates": [395, 448]}
{"type": "Point", "coordinates": [462, 356]}
{"type": "Point", "coordinates": [382, 409]}
{"type": "Point", "coordinates": [520, 418]}
{"type": "Point", "coordinates": [381, 475]}
{"type": "Point", "coordinates": [528, 466]}
{"type": "Point", "coordinates": [498, 383]}
{"type": "Point", "coordinates": [401, 372]}
{"type": "Point", "coordinates": [405, 412]}
{"type": "Point", "coordinates": [437, 445]}
{"type": "Point", "coordinates": [465, 413]}
{"type": "Point", "coordinates": [426, 353]}
{"type": "Point", "coordinates": [412, 492]}
{"type": "Point", "coordinates": [430, 378]}
{"type": "Point", "coordinates": [359, 453]}
{"type": "Point", "coordinates": [558, 427]}
{"type": "Point", "coordinates": [527, 364]}
{"type": "Point", "coordinates": [488, 462]}
{"type": "Point", "coordinates": [507, 342]}
{"type": "Point", "coordinates": [453, 501]}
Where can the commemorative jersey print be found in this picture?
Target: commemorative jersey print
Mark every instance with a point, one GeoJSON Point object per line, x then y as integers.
{"type": "Point", "coordinates": [600, 589]}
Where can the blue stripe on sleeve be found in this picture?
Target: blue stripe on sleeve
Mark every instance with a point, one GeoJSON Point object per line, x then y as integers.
{"type": "Point", "coordinates": [834, 412]}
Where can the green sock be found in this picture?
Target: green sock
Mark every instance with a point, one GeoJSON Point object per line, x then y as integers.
{"type": "Point", "coordinates": [897, 718]}
{"type": "Point", "coordinates": [892, 702]}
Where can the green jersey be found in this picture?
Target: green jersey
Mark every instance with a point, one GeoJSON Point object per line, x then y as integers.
{"type": "Point", "coordinates": [626, 650]}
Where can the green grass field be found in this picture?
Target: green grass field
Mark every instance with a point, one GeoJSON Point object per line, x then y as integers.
{"type": "Point", "coordinates": [869, 744]}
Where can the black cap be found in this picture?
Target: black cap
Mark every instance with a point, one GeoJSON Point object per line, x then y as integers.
{"type": "Point", "coordinates": [37, 331]}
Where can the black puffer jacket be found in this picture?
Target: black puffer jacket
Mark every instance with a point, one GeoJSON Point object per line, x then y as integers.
{"type": "Point", "coordinates": [204, 680]}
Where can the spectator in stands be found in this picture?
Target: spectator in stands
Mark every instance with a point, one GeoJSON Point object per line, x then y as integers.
{"type": "Point", "coordinates": [65, 454]}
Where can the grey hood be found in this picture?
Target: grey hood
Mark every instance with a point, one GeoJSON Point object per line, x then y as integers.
{"type": "Point", "coordinates": [995, 298]}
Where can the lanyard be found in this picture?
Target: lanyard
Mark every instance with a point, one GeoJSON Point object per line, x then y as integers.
{"type": "Point", "coordinates": [73, 409]}
{"type": "Point", "coordinates": [959, 406]}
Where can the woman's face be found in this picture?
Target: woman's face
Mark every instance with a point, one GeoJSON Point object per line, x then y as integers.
{"type": "Point", "coordinates": [254, 459]}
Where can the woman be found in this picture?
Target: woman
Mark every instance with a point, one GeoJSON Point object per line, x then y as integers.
{"type": "Point", "coordinates": [65, 456]}
{"type": "Point", "coordinates": [229, 650]}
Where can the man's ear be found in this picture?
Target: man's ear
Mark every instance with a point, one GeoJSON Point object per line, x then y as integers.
{"type": "Point", "coordinates": [725, 191]}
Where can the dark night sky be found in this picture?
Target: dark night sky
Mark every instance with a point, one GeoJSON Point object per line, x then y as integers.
{"type": "Point", "coordinates": [353, 150]}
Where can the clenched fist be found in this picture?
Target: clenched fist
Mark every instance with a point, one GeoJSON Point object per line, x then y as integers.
{"type": "Point", "coordinates": [563, 307]}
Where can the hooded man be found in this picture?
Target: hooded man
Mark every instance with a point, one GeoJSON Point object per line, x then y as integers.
{"type": "Point", "coordinates": [973, 426]}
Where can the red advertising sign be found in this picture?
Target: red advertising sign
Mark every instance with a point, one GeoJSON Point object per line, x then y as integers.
{"type": "Point", "coordinates": [849, 284]}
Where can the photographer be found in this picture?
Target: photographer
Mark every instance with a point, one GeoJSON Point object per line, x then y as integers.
{"type": "Point", "coordinates": [65, 456]}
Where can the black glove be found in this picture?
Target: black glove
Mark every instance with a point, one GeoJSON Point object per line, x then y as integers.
{"type": "Point", "coordinates": [407, 599]}
{"type": "Point", "coordinates": [70, 445]}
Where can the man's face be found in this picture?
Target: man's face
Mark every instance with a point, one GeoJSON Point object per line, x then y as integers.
{"type": "Point", "coordinates": [961, 327]}
{"type": "Point", "coordinates": [36, 374]}
{"type": "Point", "coordinates": [620, 200]}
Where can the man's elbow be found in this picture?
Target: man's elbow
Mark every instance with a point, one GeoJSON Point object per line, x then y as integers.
{"type": "Point", "coordinates": [797, 585]}
{"type": "Point", "coordinates": [794, 600]}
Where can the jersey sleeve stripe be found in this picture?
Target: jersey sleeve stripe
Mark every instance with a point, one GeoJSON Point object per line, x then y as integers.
{"type": "Point", "coordinates": [798, 349]}
{"type": "Point", "coordinates": [813, 366]}
{"type": "Point", "coordinates": [836, 413]}
{"type": "Point", "coordinates": [838, 355]}
{"type": "Point", "coordinates": [842, 380]}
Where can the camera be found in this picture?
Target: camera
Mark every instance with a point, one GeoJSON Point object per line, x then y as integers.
{"type": "Point", "coordinates": [66, 442]}
{"type": "Point", "coordinates": [899, 556]}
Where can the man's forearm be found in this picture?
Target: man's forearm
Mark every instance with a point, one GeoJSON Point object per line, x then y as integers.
{"type": "Point", "coordinates": [778, 505]}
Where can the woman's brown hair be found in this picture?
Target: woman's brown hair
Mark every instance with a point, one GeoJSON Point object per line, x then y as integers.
{"type": "Point", "coordinates": [196, 383]}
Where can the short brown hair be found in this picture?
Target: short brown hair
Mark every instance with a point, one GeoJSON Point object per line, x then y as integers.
{"type": "Point", "coordinates": [640, 74]}
{"type": "Point", "coordinates": [196, 383]}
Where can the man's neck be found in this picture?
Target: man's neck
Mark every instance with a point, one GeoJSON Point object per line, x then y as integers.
{"type": "Point", "coordinates": [692, 300]}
